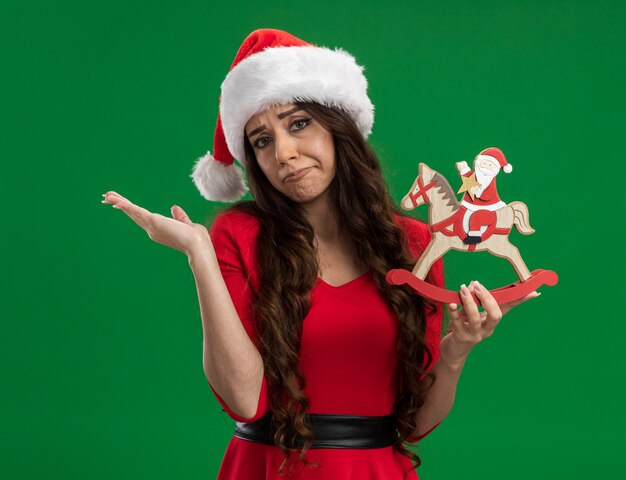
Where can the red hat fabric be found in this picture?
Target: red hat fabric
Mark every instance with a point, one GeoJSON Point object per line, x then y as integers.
{"type": "Point", "coordinates": [274, 67]}
{"type": "Point", "coordinates": [495, 155]}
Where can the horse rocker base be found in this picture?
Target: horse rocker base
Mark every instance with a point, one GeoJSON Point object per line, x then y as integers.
{"type": "Point", "coordinates": [509, 293]}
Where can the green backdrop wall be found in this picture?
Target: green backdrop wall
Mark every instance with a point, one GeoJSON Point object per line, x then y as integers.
{"type": "Point", "coordinates": [101, 334]}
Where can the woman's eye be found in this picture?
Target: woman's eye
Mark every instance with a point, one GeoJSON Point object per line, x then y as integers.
{"type": "Point", "coordinates": [295, 126]}
{"type": "Point", "coordinates": [261, 142]}
{"type": "Point", "coordinates": [300, 124]}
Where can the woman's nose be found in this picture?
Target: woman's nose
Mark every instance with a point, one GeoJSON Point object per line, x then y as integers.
{"type": "Point", "coordinates": [285, 147]}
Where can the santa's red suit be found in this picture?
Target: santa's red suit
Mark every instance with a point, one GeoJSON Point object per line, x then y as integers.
{"type": "Point", "coordinates": [480, 216]}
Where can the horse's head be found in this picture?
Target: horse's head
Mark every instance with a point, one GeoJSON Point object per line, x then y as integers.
{"type": "Point", "coordinates": [423, 182]}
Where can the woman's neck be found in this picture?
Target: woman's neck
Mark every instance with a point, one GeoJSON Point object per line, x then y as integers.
{"type": "Point", "coordinates": [323, 220]}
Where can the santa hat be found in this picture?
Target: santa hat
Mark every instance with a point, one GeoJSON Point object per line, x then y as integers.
{"type": "Point", "coordinates": [274, 67]}
{"type": "Point", "coordinates": [496, 156]}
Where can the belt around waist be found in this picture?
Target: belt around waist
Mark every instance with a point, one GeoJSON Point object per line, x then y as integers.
{"type": "Point", "coordinates": [330, 431]}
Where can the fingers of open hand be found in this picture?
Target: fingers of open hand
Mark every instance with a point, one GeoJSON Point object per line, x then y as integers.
{"type": "Point", "coordinates": [139, 215]}
{"type": "Point", "coordinates": [112, 197]}
{"type": "Point", "coordinates": [179, 214]}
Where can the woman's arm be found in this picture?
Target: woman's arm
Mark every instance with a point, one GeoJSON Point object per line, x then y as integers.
{"type": "Point", "coordinates": [440, 398]}
{"type": "Point", "coordinates": [232, 364]}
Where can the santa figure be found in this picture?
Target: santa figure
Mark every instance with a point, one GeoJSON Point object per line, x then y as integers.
{"type": "Point", "coordinates": [481, 198]}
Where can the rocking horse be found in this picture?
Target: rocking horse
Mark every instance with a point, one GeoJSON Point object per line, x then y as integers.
{"type": "Point", "coordinates": [450, 222]}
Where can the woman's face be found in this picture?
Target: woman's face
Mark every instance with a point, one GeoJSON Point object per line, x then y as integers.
{"type": "Point", "coordinates": [296, 154]}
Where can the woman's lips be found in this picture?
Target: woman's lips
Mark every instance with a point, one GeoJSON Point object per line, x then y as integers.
{"type": "Point", "coordinates": [299, 174]}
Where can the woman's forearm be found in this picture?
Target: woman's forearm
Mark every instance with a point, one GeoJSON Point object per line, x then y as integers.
{"type": "Point", "coordinates": [440, 397]}
{"type": "Point", "coordinates": [232, 364]}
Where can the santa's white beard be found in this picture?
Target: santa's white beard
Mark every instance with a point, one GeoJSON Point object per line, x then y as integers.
{"type": "Point", "coordinates": [484, 179]}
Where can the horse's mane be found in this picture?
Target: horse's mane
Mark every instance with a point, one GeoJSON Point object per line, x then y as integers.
{"type": "Point", "coordinates": [446, 190]}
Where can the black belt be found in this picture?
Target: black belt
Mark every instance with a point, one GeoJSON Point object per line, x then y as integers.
{"type": "Point", "coordinates": [330, 431]}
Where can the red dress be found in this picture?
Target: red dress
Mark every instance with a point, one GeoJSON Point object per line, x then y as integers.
{"type": "Point", "coordinates": [348, 358]}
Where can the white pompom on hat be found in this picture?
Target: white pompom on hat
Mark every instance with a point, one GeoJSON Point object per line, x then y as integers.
{"type": "Point", "coordinates": [496, 156]}
{"type": "Point", "coordinates": [273, 67]}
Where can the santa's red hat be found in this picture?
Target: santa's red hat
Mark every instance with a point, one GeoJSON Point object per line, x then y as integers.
{"type": "Point", "coordinates": [274, 67]}
{"type": "Point", "coordinates": [495, 155]}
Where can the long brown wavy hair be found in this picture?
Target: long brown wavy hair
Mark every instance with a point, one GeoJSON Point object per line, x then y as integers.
{"type": "Point", "coordinates": [365, 210]}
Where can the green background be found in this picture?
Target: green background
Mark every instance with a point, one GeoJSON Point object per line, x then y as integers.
{"type": "Point", "coordinates": [101, 344]}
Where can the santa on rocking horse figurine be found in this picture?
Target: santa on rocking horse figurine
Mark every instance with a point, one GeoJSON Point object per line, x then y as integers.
{"type": "Point", "coordinates": [481, 199]}
{"type": "Point", "coordinates": [481, 221]}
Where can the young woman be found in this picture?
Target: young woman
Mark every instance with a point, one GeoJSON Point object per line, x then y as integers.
{"type": "Point", "coordinates": [328, 370]}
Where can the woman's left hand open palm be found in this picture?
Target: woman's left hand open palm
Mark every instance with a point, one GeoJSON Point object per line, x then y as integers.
{"type": "Point", "coordinates": [469, 326]}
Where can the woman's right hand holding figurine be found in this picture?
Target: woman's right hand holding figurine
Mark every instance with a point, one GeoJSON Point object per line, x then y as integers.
{"type": "Point", "coordinates": [469, 326]}
{"type": "Point", "coordinates": [178, 232]}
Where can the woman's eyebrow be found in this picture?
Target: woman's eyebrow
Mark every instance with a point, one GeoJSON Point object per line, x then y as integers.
{"type": "Point", "coordinates": [256, 130]}
{"type": "Point", "coordinates": [288, 112]}
{"type": "Point", "coordinates": [280, 117]}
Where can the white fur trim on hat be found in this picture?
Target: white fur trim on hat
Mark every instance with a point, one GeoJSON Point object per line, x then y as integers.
{"type": "Point", "coordinates": [508, 168]}
{"type": "Point", "coordinates": [218, 182]}
{"type": "Point", "coordinates": [288, 74]}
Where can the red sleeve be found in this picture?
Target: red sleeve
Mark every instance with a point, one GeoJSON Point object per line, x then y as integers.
{"type": "Point", "coordinates": [233, 254]}
{"type": "Point", "coordinates": [434, 318]}
{"type": "Point", "coordinates": [419, 236]}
